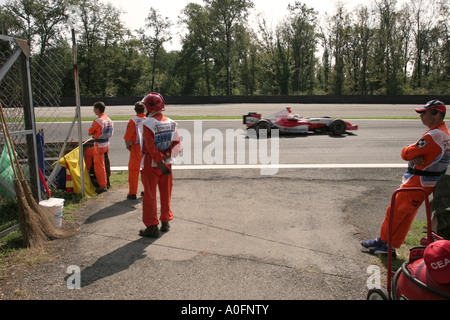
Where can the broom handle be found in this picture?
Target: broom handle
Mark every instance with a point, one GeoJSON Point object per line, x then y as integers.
{"type": "Point", "coordinates": [10, 145]}
{"type": "Point", "coordinates": [7, 142]}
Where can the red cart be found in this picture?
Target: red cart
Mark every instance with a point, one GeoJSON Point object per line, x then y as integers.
{"type": "Point", "coordinates": [412, 281]}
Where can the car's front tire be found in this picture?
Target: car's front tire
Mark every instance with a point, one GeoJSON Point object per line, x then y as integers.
{"type": "Point", "coordinates": [337, 127]}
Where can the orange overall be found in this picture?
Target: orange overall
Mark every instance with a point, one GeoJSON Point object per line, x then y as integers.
{"type": "Point", "coordinates": [101, 130]}
{"type": "Point", "coordinates": [434, 147]}
{"type": "Point", "coordinates": [157, 145]}
{"type": "Point", "coordinates": [134, 163]}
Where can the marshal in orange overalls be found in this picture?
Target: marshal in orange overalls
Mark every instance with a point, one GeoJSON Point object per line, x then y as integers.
{"type": "Point", "coordinates": [101, 130]}
{"type": "Point", "coordinates": [434, 147]}
{"type": "Point", "coordinates": [159, 139]}
{"type": "Point", "coordinates": [132, 142]}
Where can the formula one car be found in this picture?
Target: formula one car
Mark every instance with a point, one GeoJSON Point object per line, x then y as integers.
{"type": "Point", "coordinates": [287, 122]}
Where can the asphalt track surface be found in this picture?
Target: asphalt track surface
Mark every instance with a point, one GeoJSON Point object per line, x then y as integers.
{"type": "Point", "coordinates": [238, 234]}
{"type": "Point", "coordinates": [389, 135]}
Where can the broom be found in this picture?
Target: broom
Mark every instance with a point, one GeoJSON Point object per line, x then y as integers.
{"type": "Point", "coordinates": [33, 222]}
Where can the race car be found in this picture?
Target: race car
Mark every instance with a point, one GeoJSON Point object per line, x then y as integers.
{"type": "Point", "coordinates": [287, 122]}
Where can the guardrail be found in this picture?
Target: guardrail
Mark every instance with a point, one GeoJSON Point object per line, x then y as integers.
{"type": "Point", "coordinates": [415, 99]}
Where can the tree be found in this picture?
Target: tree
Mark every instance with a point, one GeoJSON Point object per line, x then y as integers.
{"type": "Point", "coordinates": [337, 41]}
{"type": "Point", "coordinates": [40, 20]}
{"type": "Point", "coordinates": [404, 30]}
{"type": "Point", "coordinates": [228, 14]}
{"type": "Point", "coordinates": [391, 46]}
{"type": "Point", "coordinates": [7, 27]}
{"type": "Point", "coordinates": [101, 32]}
{"type": "Point", "coordinates": [159, 28]}
{"type": "Point", "coordinates": [22, 11]}
{"type": "Point", "coordinates": [357, 56]}
{"type": "Point", "coordinates": [301, 36]}
{"type": "Point", "coordinates": [246, 56]}
{"type": "Point", "coordinates": [127, 73]}
{"type": "Point", "coordinates": [42, 25]}
{"type": "Point", "coordinates": [425, 37]}
{"type": "Point", "coordinates": [443, 80]}
{"type": "Point", "coordinates": [282, 68]}
{"type": "Point", "coordinates": [7, 21]}
{"type": "Point", "coordinates": [197, 44]}
{"type": "Point", "coordinates": [381, 49]}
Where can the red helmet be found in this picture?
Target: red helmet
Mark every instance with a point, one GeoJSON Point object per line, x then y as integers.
{"type": "Point", "coordinates": [154, 102]}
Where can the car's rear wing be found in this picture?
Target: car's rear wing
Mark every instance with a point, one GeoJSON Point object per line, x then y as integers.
{"type": "Point", "coordinates": [251, 118]}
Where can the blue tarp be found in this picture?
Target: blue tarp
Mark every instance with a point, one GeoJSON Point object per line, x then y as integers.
{"type": "Point", "coordinates": [41, 157]}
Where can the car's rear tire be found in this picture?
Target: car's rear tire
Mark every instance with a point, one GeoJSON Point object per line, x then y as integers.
{"type": "Point", "coordinates": [263, 127]}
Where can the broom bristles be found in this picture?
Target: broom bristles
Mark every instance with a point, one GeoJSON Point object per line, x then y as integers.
{"type": "Point", "coordinates": [32, 235]}
{"type": "Point", "coordinates": [34, 224]}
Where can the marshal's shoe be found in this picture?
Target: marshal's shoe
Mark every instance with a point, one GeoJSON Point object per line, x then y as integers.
{"type": "Point", "coordinates": [165, 226]}
{"type": "Point", "coordinates": [101, 189]}
{"type": "Point", "coordinates": [377, 246]}
{"type": "Point", "coordinates": [383, 249]}
{"type": "Point", "coordinates": [131, 197]}
{"type": "Point", "coordinates": [372, 244]}
{"type": "Point", "coordinates": [151, 232]}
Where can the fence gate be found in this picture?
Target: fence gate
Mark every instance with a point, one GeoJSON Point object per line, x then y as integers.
{"type": "Point", "coordinates": [26, 85]}
{"type": "Point", "coordinates": [17, 101]}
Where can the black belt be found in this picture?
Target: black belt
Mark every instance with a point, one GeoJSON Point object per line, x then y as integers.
{"type": "Point", "coordinates": [422, 173]}
{"type": "Point", "coordinates": [101, 140]}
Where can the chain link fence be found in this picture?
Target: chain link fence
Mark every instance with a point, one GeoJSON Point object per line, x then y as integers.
{"type": "Point", "coordinates": [30, 93]}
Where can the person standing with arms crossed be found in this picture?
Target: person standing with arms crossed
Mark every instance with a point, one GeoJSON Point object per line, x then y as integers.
{"type": "Point", "coordinates": [160, 142]}
{"type": "Point", "coordinates": [101, 130]}
{"type": "Point", "coordinates": [133, 144]}
{"type": "Point", "coordinates": [428, 160]}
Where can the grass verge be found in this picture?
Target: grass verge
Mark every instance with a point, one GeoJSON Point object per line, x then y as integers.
{"type": "Point", "coordinates": [126, 118]}
{"type": "Point", "coordinates": [175, 117]}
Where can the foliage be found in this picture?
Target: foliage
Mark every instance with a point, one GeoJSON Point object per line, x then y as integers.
{"type": "Point", "coordinates": [381, 47]}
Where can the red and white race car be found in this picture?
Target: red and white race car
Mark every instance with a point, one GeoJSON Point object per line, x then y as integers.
{"type": "Point", "coordinates": [287, 122]}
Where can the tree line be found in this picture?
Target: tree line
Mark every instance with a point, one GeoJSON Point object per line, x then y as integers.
{"type": "Point", "coordinates": [384, 47]}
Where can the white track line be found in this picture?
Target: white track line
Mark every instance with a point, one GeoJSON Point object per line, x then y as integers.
{"type": "Point", "coordinates": [281, 166]}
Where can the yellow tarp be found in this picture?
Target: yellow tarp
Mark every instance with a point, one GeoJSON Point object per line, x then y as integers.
{"type": "Point", "coordinates": [71, 161]}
